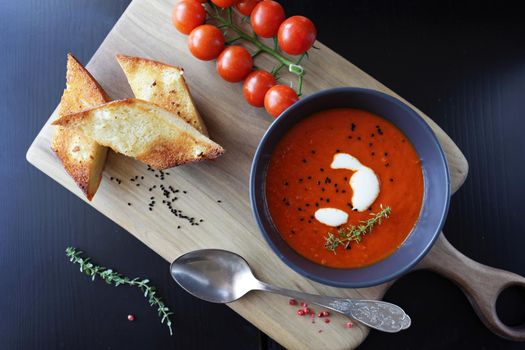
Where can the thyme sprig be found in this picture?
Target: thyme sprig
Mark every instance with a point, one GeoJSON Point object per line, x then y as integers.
{"type": "Point", "coordinates": [111, 277]}
{"type": "Point", "coordinates": [355, 233]}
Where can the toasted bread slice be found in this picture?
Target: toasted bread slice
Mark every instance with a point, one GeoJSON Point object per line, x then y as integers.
{"type": "Point", "coordinates": [163, 85]}
{"type": "Point", "coordinates": [145, 131]}
{"type": "Point", "coordinates": [82, 157]}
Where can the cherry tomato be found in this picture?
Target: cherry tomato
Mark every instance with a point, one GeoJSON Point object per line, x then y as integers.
{"type": "Point", "coordinates": [224, 3]}
{"type": "Point", "coordinates": [187, 15]}
{"type": "Point", "coordinates": [256, 85]}
{"type": "Point", "coordinates": [266, 18]}
{"type": "Point", "coordinates": [278, 98]}
{"type": "Point", "coordinates": [206, 42]}
{"type": "Point", "coordinates": [296, 35]}
{"type": "Point", "coordinates": [246, 7]}
{"type": "Point", "coordinates": [234, 63]}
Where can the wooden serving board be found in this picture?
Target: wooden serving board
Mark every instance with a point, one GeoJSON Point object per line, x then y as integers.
{"type": "Point", "coordinates": [145, 30]}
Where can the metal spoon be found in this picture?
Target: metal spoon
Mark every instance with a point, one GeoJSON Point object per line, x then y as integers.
{"type": "Point", "coordinates": [220, 276]}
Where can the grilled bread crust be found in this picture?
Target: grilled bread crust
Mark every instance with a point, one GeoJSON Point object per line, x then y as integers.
{"type": "Point", "coordinates": [163, 85]}
{"type": "Point", "coordinates": [82, 158]}
{"type": "Point", "coordinates": [145, 131]}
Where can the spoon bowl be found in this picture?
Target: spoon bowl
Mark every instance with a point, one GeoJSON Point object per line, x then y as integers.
{"type": "Point", "coordinates": [214, 275]}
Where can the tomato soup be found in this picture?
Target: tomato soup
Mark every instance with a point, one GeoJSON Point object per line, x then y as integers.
{"type": "Point", "coordinates": [301, 180]}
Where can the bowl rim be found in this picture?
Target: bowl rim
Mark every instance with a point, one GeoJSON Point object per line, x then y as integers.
{"type": "Point", "coordinates": [316, 277]}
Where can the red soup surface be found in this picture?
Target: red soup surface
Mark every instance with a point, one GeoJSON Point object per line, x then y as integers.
{"type": "Point", "coordinates": [300, 181]}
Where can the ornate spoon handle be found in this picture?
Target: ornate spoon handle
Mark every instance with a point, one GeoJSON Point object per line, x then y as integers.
{"type": "Point", "coordinates": [379, 315]}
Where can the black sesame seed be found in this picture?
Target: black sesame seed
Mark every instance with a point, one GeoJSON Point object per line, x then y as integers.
{"type": "Point", "coordinates": [301, 219]}
{"type": "Point", "coordinates": [373, 153]}
{"type": "Point", "coordinates": [391, 180]}
{"type": "Point", "coordinates": [219, 201]}
{"type": "Point", "coordinates": [129, 204]}
{"type": "Point", "coordinates": [184, 192]}
{"type": "Point", "coordinates": [359, 138]}
{"type": "Point", "coordinates": [372, 135]}
{"type": "Point", "coordinates": [386, 154]}
{"type": "Point", "coordinates": [317, 204]}
{"type": "Point", "coordinates": [304, 160]}
{"type": "Point", "coordinates": [321, 169]}
{"type": "Point", "coordinates": [309, 177]}
{"type": "Point", "coordinates": [353, 126]}
{"type": "Point", "coordinates": [327, 200]}
{"type": "Point", "coordinates": [111, 178]}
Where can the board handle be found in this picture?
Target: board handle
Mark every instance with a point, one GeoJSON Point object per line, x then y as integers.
{"type": "Point", "coordinates": [481, 284]}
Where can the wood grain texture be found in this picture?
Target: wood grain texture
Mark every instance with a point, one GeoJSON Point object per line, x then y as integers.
{"type": "Point", "coordinates": [145, 30]}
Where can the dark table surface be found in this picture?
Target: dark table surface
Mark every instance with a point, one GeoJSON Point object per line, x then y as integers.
{"type": "Point", "coordinates": [462, 63]}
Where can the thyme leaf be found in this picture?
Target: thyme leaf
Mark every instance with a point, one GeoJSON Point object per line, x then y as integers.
{"type": "Point", "coordinates": [355, 233]}
{"type": "Point", "coordinates": [112, 277]}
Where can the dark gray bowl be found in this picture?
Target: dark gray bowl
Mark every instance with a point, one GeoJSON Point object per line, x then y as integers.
{"type": "Point", "coordinates": [435, 200]}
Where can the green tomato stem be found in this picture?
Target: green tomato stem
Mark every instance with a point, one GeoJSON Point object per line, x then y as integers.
{"type": "Point", "coordinates": [293, 67]}
{"type": "Point", "coordinates": [228, 23]}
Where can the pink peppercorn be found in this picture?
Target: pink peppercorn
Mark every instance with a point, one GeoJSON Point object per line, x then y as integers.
{"type": "Point", "coordinates": [320, 314]}
{"type": "Point", "coordinates": [349, 324]}
{"type": "Point", "coordinates": [303, 304]}
{"type": "Point", "coordinates": [326, 320]}
{"type": "Point", "coordinates": [325, 313]}
{"type": "Point", "coordinates": [300, 312]}
{"type": "Point", "coordinates": [292, 302]}
{"type": "Point", "coordinates": [131, 318]}
{"type": "Point", "coordinates": [306, 310]}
